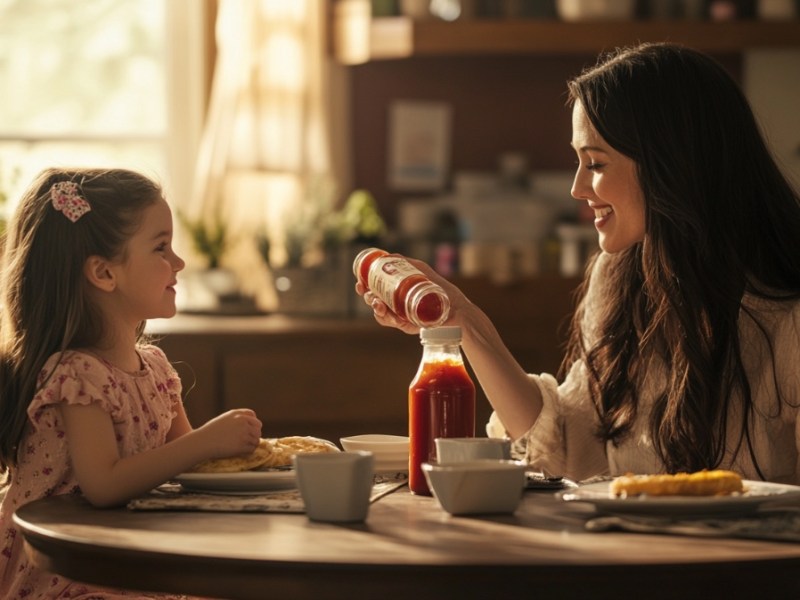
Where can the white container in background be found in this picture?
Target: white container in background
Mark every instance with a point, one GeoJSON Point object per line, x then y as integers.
{"type": "Point", "coordinates": [503, 262]}
{"type": "Point", "coordinates": [416, 217]}
{"type": "Point", "coordinates": [776, 10]}
{"type": "Point", "coordinates": [475, 184]}
{"type": "Point", "coordinates": [416, 9]}
{"type": "Point", "coordinates": [595, 10]}
{"type": "Point", "coordinates": [505, 218]}
{"type": "Point", "coordinates": [577, 243]}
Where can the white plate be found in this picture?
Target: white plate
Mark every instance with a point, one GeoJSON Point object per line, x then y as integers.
{"type": "Point", "coordinates": [756, 494]}
{"type": "Point", "coordinates": [244, 483]}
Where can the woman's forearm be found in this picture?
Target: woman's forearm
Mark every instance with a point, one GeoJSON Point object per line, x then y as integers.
{"type": "Point", "coordinates": [513, 395]}
{"type": "Point", "coordinates": [511, 392]}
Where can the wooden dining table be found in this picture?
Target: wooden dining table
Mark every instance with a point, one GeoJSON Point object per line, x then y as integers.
{"type": "Point", "coordinates": [408, 547]}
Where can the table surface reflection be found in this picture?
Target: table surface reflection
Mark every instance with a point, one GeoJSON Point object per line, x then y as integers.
{"type": "Point", "coordinates": [407, 546]}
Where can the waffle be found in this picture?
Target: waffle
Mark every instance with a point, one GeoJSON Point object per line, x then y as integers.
{"type": "Point", "coordinates": [285, 448]}
{"type": "Point", "coordinates": [235, 464]}
{"type": "Point", "coordinates": [270, 453]}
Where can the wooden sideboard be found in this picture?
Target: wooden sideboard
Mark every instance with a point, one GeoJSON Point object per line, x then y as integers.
{"type": "Point", "coordinates": [332, 377]}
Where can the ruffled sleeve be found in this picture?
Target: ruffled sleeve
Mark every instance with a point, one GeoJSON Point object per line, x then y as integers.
{"type": "Point", "coordinates": [75, 378]}
{"type": "Point", "coordinates": [787, 358]}
{"type": "Point", "coordinates": [563, 439]}
{"type": "Point", "coordinates": [142, 405]}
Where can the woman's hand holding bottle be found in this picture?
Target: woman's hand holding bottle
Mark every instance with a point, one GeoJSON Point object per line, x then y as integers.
{"type": "Point", "coordinates": [386, 317]}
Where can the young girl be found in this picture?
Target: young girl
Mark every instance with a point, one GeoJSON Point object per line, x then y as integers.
{"type": "Point", "coordinates": [685, 347]}
{"type": "Point", "coordinates": [85, 406]}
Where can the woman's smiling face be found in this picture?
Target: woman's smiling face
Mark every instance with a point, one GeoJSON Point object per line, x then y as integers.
{"type": "Point", "coordinates": [607, 181]}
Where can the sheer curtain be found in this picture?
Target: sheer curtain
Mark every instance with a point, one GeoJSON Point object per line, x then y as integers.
{"type": "Point", "coordinates": [266, 145]}
{"type": "Point", "coordinates": [83, 84]}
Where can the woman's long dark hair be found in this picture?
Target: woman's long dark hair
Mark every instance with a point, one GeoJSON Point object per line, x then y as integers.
{"type": "Point", "coordinates": [45, 307]}
{"type": "Point", "coordinates": [721, 221]}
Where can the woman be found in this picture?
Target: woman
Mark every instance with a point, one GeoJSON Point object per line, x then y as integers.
{"type": "Point", "coordinates": [683, 348]}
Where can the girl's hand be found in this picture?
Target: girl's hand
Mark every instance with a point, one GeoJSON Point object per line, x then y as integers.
{"type": "Point", "coordinates": [387, 318]}
{"type": "Point", "coordinates": [232, 433]}
{"type": "Point", "coordinates": [107, 479]}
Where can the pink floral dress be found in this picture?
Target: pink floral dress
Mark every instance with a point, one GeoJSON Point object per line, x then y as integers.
{"type": "Point", "coordinates": [142, 406]}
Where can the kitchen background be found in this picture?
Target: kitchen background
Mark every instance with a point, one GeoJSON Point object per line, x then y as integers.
{"type": "Point", "coordinates": [509, 129]}
{"type": "Point", "coordinates": [296, 132]}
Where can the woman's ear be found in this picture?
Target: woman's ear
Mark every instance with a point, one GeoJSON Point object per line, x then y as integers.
{"type": "Point", "coordinates": [99, 273]}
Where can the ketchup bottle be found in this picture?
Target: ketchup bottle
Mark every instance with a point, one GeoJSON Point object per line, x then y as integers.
{"type": "Point", "coordinates": [405, 289]}
{"type": "Point", "coordinates": [441, 401]}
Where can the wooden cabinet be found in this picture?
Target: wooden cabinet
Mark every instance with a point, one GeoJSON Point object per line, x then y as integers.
{"type": "Point", "coordinates": [357, 38]}
{"type": "Point", "coordinates": [336, 377]}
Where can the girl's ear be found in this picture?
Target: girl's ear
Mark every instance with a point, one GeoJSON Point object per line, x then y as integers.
{"type": "Point", "coordinates": [99, 273]}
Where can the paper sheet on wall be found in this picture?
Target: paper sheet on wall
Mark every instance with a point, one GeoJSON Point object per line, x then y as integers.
{"type": "Point", "coordinates": [419, 145]}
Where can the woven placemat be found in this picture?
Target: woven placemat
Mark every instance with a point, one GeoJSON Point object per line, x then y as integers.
{"type": "Point", "coordinates": [171, 496]}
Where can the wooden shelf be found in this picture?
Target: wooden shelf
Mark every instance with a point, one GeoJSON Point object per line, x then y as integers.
{"type": "Point", "coordinates": [359, 39]}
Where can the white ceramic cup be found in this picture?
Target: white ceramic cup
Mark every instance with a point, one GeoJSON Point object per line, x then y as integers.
{"type": "Point", "coordinates": [450, 450]}
{"type": "Point", "coordinates": [335, 486]}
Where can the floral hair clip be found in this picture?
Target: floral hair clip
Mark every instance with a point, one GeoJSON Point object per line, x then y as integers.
{"type": "Point", "coordinates": [66, 198]}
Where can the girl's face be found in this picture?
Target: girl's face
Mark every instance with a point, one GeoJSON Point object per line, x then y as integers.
{"type": "Point", "coordinates": [607, 181]}
{"type": "Point", "coordinates": [146, 276]}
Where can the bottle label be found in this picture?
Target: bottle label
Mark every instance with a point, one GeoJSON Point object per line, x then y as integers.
{"type": "Point", "coordinates": [386, 274]}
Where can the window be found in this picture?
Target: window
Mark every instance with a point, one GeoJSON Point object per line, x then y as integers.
{"type": "Point", "coordinates": [98, 83]}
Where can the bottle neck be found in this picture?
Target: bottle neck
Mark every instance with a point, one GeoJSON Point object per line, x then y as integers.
{"type": "Point", "coordinates": [438, 351]}
{"type": "Point", "coordinates": [426, 304]}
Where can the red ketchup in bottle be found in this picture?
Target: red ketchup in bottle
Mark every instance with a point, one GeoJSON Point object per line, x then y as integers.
{"type": "Point", "coordinates": [403, 288]}
{"type": "Point", "coordinates": [441, 401]}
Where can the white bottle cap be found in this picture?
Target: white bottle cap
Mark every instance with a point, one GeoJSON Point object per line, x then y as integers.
{"type": "Point", "coordinates": [440, 334]}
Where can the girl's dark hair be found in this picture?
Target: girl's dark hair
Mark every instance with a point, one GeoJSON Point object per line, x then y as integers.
{"type": "Point", "coordinates": [45, 306]}
{"type": "Point", "coordinates": [721, 221]}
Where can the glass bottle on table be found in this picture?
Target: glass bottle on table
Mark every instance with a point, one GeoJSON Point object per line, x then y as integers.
{"type": "Point", "coordinates": [441, 400]}
{"type": "Point", "coordinates": [402, 287]}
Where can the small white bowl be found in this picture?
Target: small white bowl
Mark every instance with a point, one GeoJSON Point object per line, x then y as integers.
{"type": "Point", "coordinates": [477, 486]}
{"type": "Point", "coordinates": [377, 443]}
{"type": "Point", "coordinates": [390, 451]}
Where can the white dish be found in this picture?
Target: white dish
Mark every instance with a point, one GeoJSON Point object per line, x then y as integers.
{"type": "Point", "coordinates": [480, 486]}
{"type": "Point", "coordinates": [390, 451]}
{"type": "Point", "coordinates": [244, 483]}
{"type": "Point", "coordinates": [378, 443]}
{"type": "Point", "coordinates": [756, 494]}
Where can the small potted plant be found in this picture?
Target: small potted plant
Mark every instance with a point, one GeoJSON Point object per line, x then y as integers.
{"type": "Point", "coordinates": [315, 276]}
{"type": "Point", "coordinates": [362, 220]}
{"type": "Point", "coordinates": [210, 239]}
